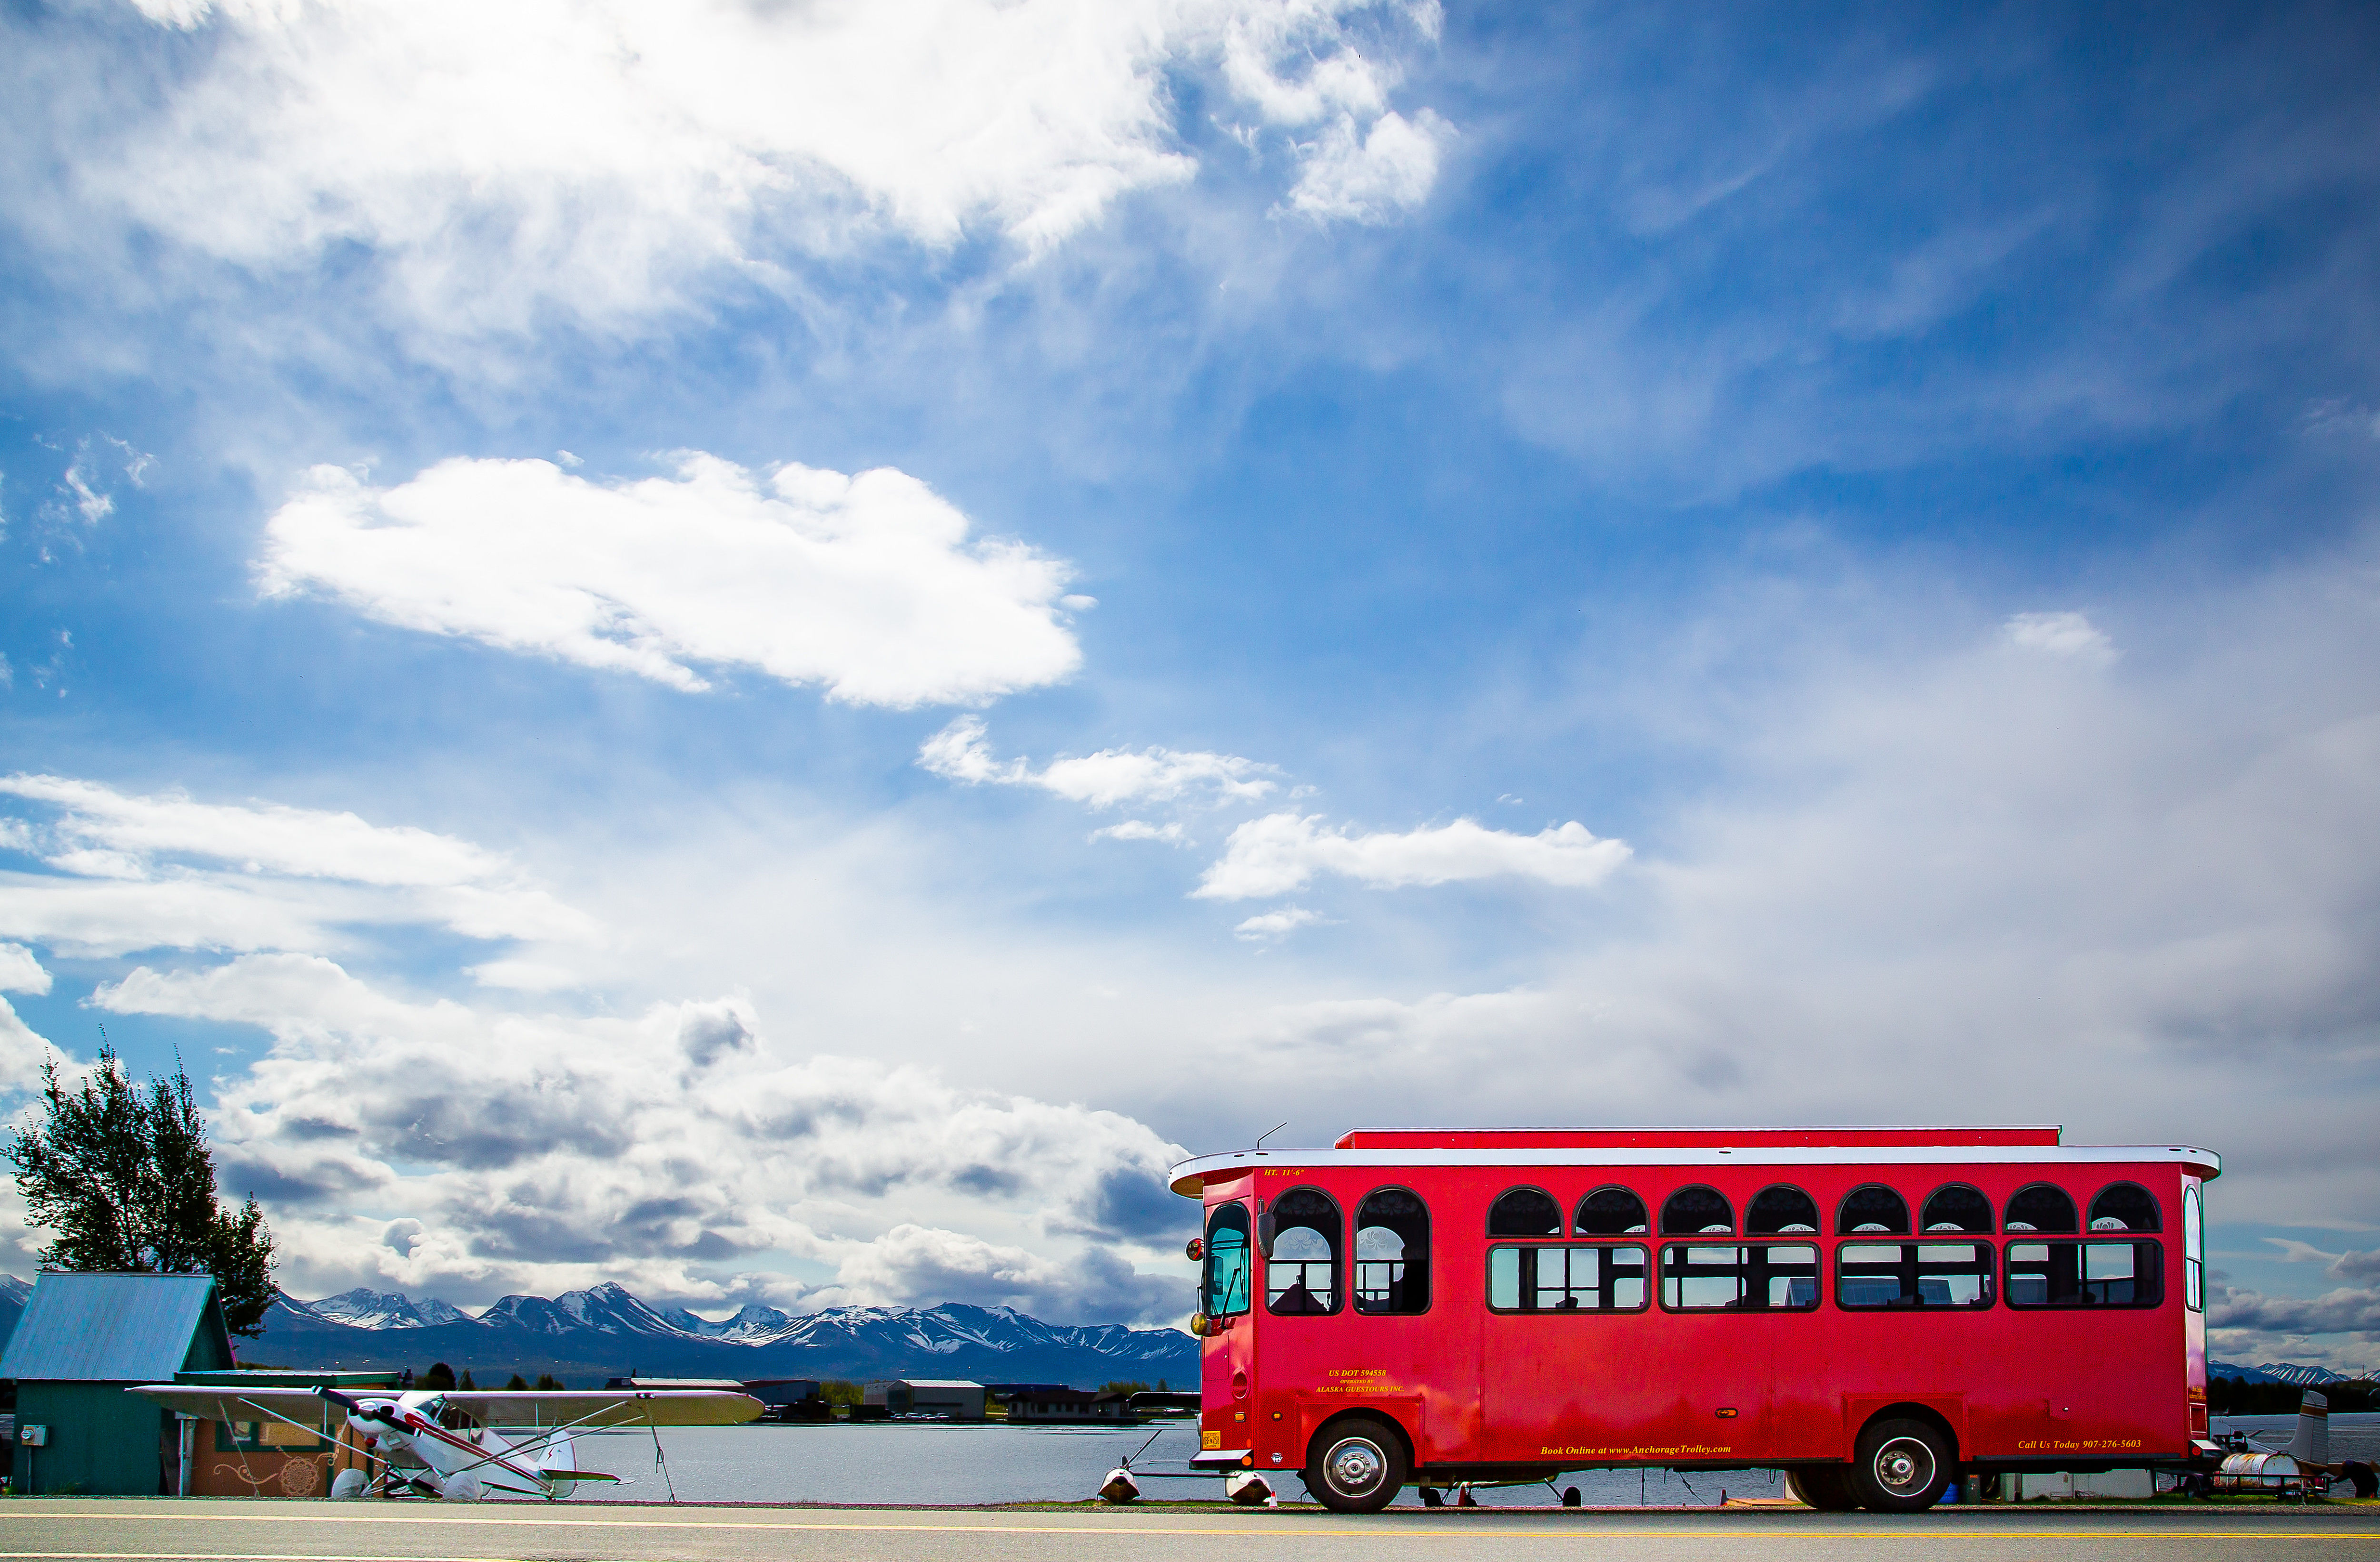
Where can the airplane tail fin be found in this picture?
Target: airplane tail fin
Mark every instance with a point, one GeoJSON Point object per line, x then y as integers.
{"type": "Point", "coordinates": [2311, 1444]}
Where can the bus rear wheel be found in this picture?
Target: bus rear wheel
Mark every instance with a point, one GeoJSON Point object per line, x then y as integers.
{"type": "Point", "coordinates": [1902, 1466]}
{"type": "Point", "coordinates": [1356, 1466]}
{"type": "Point", "coordinates": [1822, 1486]}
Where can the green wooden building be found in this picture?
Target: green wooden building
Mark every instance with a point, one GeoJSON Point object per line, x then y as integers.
{"type": "Point", "coordinates": [84, 1340]}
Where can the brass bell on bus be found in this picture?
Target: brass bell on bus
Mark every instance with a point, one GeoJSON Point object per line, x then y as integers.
{"type": "Point", "coordinates": [1200, 1323]}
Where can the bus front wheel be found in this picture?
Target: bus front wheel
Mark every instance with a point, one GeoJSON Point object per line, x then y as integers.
{"type": "Point", "coordinates": [1356, 1466]}
{"type": "Point", "coordinates": [1902, 1466]}
{"type": "Point", "coordinates": [1822, 1486]}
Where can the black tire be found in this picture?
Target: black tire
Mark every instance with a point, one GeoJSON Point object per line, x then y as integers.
{"type": "Point", "coordinates": [1356, 1466]}
{"type": "Point", "coordinates": [1822, 1486]}
{"type": "Point", "coordinates": [1902, 1466]}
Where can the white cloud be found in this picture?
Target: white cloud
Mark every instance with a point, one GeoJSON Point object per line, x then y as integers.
{"type": "Point", "coordinates": [600, 151]}
{"type": "Point", "coordinates": [866, 584]}
{"type": "Point", "coordinates": [1371, 176]}
{"type": "Point", "coordinates": [133, 872]}
{"type": "Point", "coordinates": [1170, 833]}
{"type": "Point", "coordinates": [1268, 925]}
{"type": "Point", "coordinates": [539, 1151]}
{"type": "Point", "coordinates": [960, 752]}
{"type": "Point", "coordinates": [2068, 635]}
{"type": "Point", "coordinates": [20, 973]}
{"type": "Point", "coordinates": [1282, 852]}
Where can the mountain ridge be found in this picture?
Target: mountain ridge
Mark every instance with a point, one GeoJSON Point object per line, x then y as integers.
{"type": "Point", "coordinates": [607, 1331]}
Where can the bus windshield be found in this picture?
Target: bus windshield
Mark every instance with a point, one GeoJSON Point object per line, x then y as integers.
{"type": "Point", "coordinates": [1226, 1289]}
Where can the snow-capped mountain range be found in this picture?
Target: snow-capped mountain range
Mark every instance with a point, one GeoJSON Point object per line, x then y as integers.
{"type": "Point", "coordinates": [605, 1330]}
{"type": "Point", "coordinates": [2276, 1372]}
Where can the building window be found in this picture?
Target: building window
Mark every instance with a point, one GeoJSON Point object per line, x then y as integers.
{"type": "Point", "coordinates": [1566, 1279]}
{"type": "Point", "coordinates": [2041, 1206]}
{"type": "Point", "coordinates": [1391, 1253]}
{"type": "Point", "coordinates": [1764, 1277]}
{"type": "Point", "coordinates": [1525, 1212]}
{"type": "Point", "coordinates": [2124, 1206]}
{"type": "Point", "coordinates": [1225, 1287]}
{"type": "Point", "coordinates": [1957, 1207]}
{"type": "Point", "coordinates": [1873, 1207]}
{"type": "Point", "coordinates": [2193, 1249]}
{"type": "Point", "coordinates": [1691, 1212]}
{"type": "Point", "coordinates": [2086, 1274]}
{"type": "Point", "coordinates": [1781, 1211]}
{"type": "Point", "coordinates": [1302, 1270]}
{"type": "Point", "coordinates": [1611, 1212]}
{"type": "Point", "coordinates": [1914, 1275]}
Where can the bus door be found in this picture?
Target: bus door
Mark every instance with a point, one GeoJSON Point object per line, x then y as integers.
{"type": "Point", "coordinates": [1227, 1354]}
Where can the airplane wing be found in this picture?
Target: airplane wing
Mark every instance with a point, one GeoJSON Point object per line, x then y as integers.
{"type": "Point", "coordinates": [595, 1410]}
{"type": "Point", "coordinates": [246, 1404]}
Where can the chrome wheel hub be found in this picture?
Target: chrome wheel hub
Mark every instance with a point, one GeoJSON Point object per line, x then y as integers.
{"type": "Point", "coordinates": [1904, 1466]}
{"type": "Point", "coordinates": [1356, 1467]}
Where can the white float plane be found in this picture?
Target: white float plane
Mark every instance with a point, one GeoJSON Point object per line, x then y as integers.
{"type": "Point", "coordinates": [520, 1444]}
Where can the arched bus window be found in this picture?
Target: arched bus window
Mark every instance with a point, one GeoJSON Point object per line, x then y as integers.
{"type": "Point", "coordinates": [2193, 1249]}
{"type": "Point", "coordinates": [1957, 1207]}
{"type": "Point", "coordinates": [1391, 1253]}
{"type": "Point", "coordinates": [1224, 1287]}
{"type": "Point", "coordinates": [1610, 1212]}
{"type": "Point", "coordinates": [1302, 1272]}
{"type": "Point", "coordinates": [1779, 1210]}
{"type": "Point", "coordinates": [2041, 1206]}
{"type": "Point", "coordinates": [1689, 1212]}
{"type": "Point", "coordinates": [1873, 1207]}
{"type": "Point", "coordinates": [1525, 1212]}
{"type": "Point", "coordinates": [2124, 1206]}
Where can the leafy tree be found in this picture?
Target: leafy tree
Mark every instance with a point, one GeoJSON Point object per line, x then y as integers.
{"type": "Point", "coordinates": [464, 1381]}
{"type": "Point", "coordinates": [548, 1384]}
{"type": "Point", "coordinates": [125, 1179]}
{"type": "Point", "coordinates": [838, 1392]}
{"type": "Point", "coordinates": [1125, 1385]}
{"type": "Point", "coordinates": [515, 1383]}
{"type": "Point", "coordinates": [439, 1376]}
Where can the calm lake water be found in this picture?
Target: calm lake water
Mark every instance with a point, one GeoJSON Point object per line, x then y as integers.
{"type": "Point", "coordinates": [936, 1462]}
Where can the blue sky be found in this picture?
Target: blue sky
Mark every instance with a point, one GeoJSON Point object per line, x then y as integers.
{"type": "Point", "coordinates": [768, 652]}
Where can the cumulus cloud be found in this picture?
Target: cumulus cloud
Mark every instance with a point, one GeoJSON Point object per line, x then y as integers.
{"type": "Point", "coordinates": [517, 1151]}
{"type": "Point", "coordinates": [20, 973]}
{"type": "Point", "coordinates": [1282, 852]}
{"type": "Point", "coordinates": [2348, 1310]}
{"type": "Point", "coordinates": [600, 153]}
{"type": "Point", "coordinates": [131, 872]}
{"type": "Point", "coordinates": [2069, 635]}
{"type": "Point", "coordinates": [867, 585]}
{"type": "Point", "coordinates": [962, 752]}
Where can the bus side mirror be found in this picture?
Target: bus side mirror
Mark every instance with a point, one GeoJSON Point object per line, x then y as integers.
{"type": "Point", "coordinates": [1195, 1249]}
{"type": "Point", "coordinates": [1265, 1229]}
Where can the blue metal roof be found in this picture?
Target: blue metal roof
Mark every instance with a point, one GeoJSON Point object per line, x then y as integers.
{"type": "Point", "coordinates": [116, 1328]}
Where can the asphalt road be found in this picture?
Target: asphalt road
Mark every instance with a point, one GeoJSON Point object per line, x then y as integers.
{"type": "Point", "coordinates": [102, 1529]}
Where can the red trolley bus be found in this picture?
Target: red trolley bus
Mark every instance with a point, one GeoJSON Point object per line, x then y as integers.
{"type": "Point", "coordinates": [1874, 1311]}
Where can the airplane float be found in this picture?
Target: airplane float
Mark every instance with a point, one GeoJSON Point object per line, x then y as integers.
{"type": "Point", "coordinates": [521, 1444]}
